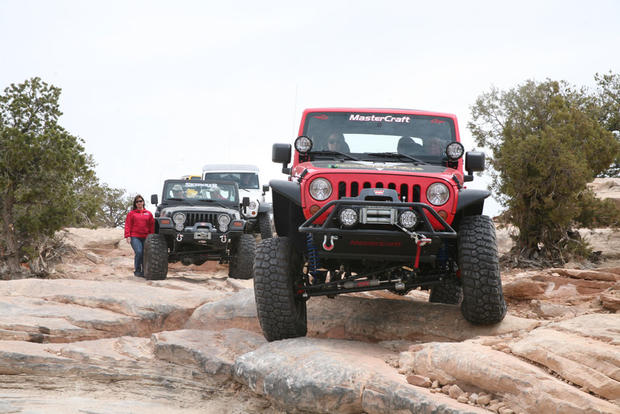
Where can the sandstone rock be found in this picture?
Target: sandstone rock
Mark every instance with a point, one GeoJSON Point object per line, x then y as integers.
{"type": "Point", "coordinates": [322, 375]}
{"type": "Point", "coordinates": [603, 327]}
{"type": "Point", "coordinates": [611, 300]}
{"type": "Point", "coordinates": [524, 289]}
{"type": "Point", "coordinates": [522, 385]}
{"type": "Point", "coordinates": [607, 188]}
{"type": "Point", "coordinates": [454, 391]}
{"type": "Point", "coordinates": [483, 399]}
{"type": "Point", "coordinates": [213, 351]}
{"type": "Point", "coordinates": [553, 310]}
{"type": "Point", "coordinates": [360, 318]}
{"type": "Point", "coordinates": [587, 274]}
{"type": "Point", "coordinates": [419, 381]}
{"type": "Point", "coordinates": [587, 362]}
{"type": "Point", "coordinates": [463, 398]}
{"type": "Point", "coordinates": [64, 310]}
{"type": "Point", "coordinates": [93, 257]}
{"type": "Point", "coordinates": [236, 311]}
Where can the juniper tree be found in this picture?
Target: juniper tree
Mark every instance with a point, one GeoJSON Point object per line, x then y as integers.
{"type": "Point", "coordinates": [546, 144]}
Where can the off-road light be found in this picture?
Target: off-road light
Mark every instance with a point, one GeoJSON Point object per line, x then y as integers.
{"type": "Point", "coordinates": [455, 150]}
{"type": "Point", "coordinates": [320, 189]}
{"type": "Point", "coordinates": [348, 217]}
{"type": "Point", "coordinates": [303, 144]}
{"type": "Point", "coordinates": [223, 220]}
{"type": "Point", "coordinates": [437, 194]}
{"type": "Point", "coordinates": [408, 219]}
{"type": "Point", "coordinates": [179, 218]}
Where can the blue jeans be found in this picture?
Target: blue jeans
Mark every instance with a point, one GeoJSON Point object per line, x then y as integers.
{"type": "Point", "coordinates": [137, 243]}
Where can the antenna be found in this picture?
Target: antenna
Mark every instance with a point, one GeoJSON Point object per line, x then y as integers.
{"type": "Point", "coordinates": [294, 123]}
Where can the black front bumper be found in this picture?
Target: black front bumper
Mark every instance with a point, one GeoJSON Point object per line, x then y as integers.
{"type": "Point", "coordinates": [375, 242]}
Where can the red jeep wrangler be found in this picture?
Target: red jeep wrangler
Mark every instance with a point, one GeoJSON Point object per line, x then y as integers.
{"type": "Point", "coordinates": [376, 199]}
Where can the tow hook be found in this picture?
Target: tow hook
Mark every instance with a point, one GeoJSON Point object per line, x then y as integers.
{"type": "Point", "coordinates": [179, 237]}
{"type": "Point", "coordinates": [223, 238]}
{"type": "Point", "coordinates": [329, 247]}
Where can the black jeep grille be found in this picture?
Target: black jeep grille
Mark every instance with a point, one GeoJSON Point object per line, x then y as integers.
{"type": "Point", "coordinates": [193, 218]}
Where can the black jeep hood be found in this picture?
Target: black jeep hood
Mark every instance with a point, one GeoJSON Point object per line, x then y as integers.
{"type": "Point", "coordinates": [380, 166]}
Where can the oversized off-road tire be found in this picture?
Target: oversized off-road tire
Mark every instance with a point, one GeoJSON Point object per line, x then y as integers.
{"type": "Point", "coordinates": [277, 270]}
{"type": "Point", "coordinates": [448, 292]}
{"type": "Point", "coordinates": [264, 225]}
{"type": "Point", "coordinates": [483, 299]}
{"type": "Point", "coordinates": [242, 254]}
{"type": "Point", "coordinates": [155, 257]}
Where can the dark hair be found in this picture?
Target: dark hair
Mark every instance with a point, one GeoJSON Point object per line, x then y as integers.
{"type": "Point", "coordinates": [135, 199]}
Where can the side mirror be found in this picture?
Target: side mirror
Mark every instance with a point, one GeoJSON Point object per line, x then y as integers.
{"type": "Point", "coordinates": [281, 154]}
{"type": "Point", "coordinates": [154, 199]}
{"type": "Point", "coordinates": [245, 202]}
{"type": "Point", "coordinates": [265, 189]}
{"type": "Point", "coordinates": [474, 161]}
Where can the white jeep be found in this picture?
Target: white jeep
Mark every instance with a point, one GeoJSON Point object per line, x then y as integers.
{"type": "Point", "coordinates": [258, 213]}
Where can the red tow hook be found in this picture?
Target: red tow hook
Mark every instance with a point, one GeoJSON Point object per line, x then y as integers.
{"type": "Point", "coordinates": [329, 247]}
{"type": "Point", "coordinates": [420, 241]}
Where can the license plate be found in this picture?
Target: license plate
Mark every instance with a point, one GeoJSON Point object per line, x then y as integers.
{"type": "Point", "coordinates": [202, 235]}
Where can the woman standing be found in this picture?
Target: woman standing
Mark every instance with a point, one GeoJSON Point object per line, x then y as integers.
{"type": "Point", "coordinates": [138, 224]}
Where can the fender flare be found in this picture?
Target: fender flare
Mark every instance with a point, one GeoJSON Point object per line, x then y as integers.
{"type": "Point", "coordinates": [288, 189]}
{"type": "Point", "coordinates": [264, 207]}
{"type": "Point", "coordinates": [470, 197]}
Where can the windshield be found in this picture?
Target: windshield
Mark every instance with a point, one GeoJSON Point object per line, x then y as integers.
{"type": "Point", "coordinates": [201, 191]}
{"type": "Point", "coordinates": [246, 181]}
{"type": "Point", "coordinates": [365, 135]}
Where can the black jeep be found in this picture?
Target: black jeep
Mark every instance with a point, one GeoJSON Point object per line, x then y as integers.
{"type": "Point", "coordinates": [197, 221]}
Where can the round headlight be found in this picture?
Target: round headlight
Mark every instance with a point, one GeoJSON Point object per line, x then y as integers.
{"type": "Point", "coordinates": [179, 218]}
{"type": "Point", "coordinates": [223, 220]}
{"type": "Point", "coordinates": [253, 205]}
{"type": "Point", "coordinates": [437, 194]}
{"type": "Point", "coordinates": [348, 217]}
{"type": "Point", "coordinates": [320, 189]}
{"type": "Point", "coordinates": [179, 226]}
{"type": "Point", "coordinates": [408, 219]}
{"type": "Point", "coordinates": [455, 150]}
{"type": "Point", "coordinates": [303, 144]}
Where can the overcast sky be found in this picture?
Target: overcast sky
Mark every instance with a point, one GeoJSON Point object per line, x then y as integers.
{"type": "Point", "coordinates": [157, 89]}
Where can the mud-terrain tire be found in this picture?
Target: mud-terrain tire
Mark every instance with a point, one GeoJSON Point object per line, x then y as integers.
{"type": "Point", "coordinates": [281, 313]}
{"type": "Point", "coordinates": [449, 292]}
{"type": "Point", "coordinates": [241, 264]}
{"type": "Point", "coordinates": [483, 299]}
{"type": "Point", "coordinates": [155, 257]}
{"type": "Point", "coordinates": [264, 225]}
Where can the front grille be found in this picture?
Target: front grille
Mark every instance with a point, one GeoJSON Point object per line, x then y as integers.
{"type": "Point", "coordinates": [193, 218]}
{"type": "Point", "coordinates": [409, 193]}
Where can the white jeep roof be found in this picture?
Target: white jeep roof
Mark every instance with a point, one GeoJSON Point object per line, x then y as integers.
{"type": "Point", "coordinates": [229, 168]}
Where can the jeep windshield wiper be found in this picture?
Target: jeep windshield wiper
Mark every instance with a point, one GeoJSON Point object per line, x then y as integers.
{"type": "Point", "coordinates": [395, 155]}
{"type": "Point", "coordinates": [327, 152]}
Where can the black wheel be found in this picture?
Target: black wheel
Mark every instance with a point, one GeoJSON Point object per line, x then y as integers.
{"type": "Point", "coordinates": [241, 264]}
{"type": "Point", "coordinates": [155, 257]}
{"type": "Point", "coordinates": [449, 292]}
{"type": "Point", "coordinates": [277, 270]}
{"type": "Point", "coordinates": [264, 225]}
{"type": "Point", "coordinates": [483, 299]}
